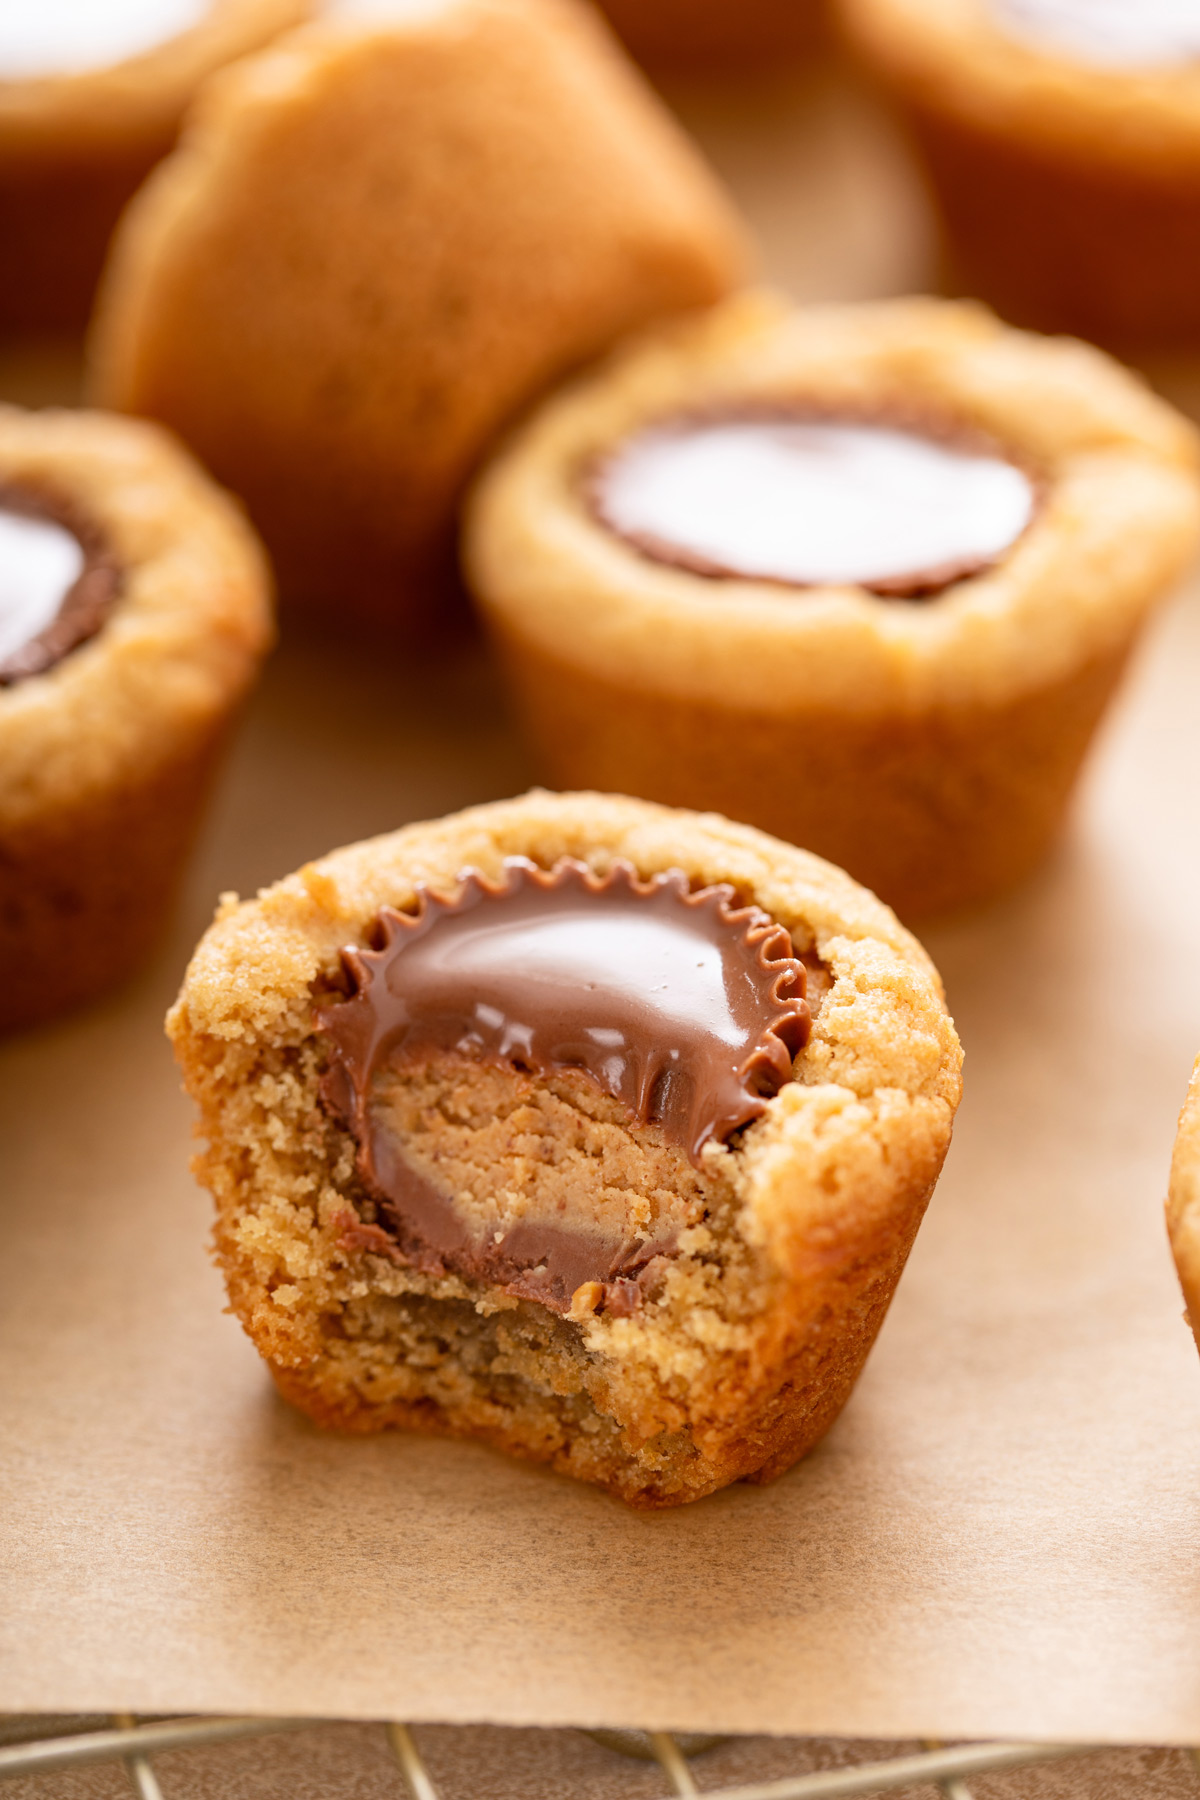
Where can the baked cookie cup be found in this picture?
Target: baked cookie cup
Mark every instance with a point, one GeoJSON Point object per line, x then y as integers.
{"type": "Point", "coordinates": [594, 1130]}
{"type": "Point", "coordinates": [377, 243]}
{"type": "Point", "coordinates": [865, 576]}
{"type": "Point", "coordinates": [1183, 1202]}
{"type": "Point", "coordinates": [91, 97]}
{"type": "Point", "coordinates": [134, 612]}
{"type": "Point", "coordinates": [1062, 144]}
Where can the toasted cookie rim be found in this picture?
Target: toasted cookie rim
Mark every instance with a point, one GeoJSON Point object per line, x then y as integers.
{"type": "Point", "coordinates": [183, 639]}
{"type": "Point", "coordinates": [1116, 463]}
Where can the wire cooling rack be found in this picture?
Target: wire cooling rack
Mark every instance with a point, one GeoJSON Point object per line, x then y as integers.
{"type": "Point", "coordinates": [41, 1745]}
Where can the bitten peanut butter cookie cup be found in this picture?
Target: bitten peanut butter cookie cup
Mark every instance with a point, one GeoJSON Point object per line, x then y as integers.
{"type": "Point", "coordinates": [865, 576]}
{"type": "Point", "coordinates": [1062, 142]}
{"type": "Point", "coordinates": [91, 97]}
{"type": "Point", "coordinates": [134, 612]}
{"type": "Point", "coordinates": [591, 1129]}
{"type": "Point", "coordinates": [379, 242]}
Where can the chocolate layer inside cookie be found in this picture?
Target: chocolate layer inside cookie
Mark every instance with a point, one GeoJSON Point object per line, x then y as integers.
{"type": "Point", "coordinates": [1129, 34]}
{"type": "Point", "coordinates": [532, 1070]}
{"type": "Point", "coordinates": [784, 497]}
{"type": "Point", "coordinates": [57, 582]}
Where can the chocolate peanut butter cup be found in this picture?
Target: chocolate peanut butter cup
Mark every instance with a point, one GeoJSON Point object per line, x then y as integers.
{"type": "Point", "coordinates": [1061, 139]}
{"type": "Point", "coordinates": [683, 1008]}
{"type": "Point", "coordinates": [134, 611]}
{"type": "Point", "coordinates": [591, 1129]}
{"type": "Point", "coordinates": [865, 576]}
{"type": "Point", "coordinates": [898, 507]}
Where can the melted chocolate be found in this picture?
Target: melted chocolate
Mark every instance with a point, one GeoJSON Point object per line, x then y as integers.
{"type": "Point", "coordinates": [42, 532]}
{"type": "Point", "coordinates": [685, 1007]}
{"type": "Point", "coordinates": [902, 507]}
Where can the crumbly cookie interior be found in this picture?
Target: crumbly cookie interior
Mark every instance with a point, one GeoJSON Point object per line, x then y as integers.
{"type": "Point", "coordinates": [344, 1319]}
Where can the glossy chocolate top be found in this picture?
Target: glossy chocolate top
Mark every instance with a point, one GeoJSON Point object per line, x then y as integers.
{"type": "Point", "coordinates": [57, 583]}
{"type": "Point", "coordinates": [684, 1006]}
{"type": "Point", "coordinates": [784, 497]}
{"type": "Point", "coordinates": [44, 38]}
{"type": "Point", "coordinates": [1117, 34]}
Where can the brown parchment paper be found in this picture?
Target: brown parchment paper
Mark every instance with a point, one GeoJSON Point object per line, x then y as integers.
{"type": "Point", "coordinates": [1001, 1535]}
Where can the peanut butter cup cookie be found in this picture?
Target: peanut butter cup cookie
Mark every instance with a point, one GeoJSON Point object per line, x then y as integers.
{"type": "Point", "coordinates": [133, 615]}
{"type": "Point", "coordinates": [91, 96]}
{"type": "Point", "coordinates": [594, 1130]}
{"type": "Point", "coordinates": [378, 242]}
{"type": "Point", "coordinates": [864, 576]}
{"type": "Point", "coordinates": [1062, 140]}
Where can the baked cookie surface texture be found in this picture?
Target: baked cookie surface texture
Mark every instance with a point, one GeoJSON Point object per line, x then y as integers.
{"type": "Point", "coordinates": [864, 576]}
{"type": "Point", "coordinates": [594, 1130]}
{"type": "Point", "coordinates": [91, 97]}
{"type": "Point", "coordinates": [1062, 142]}
{"type": "Point", "coordinates": [134, 613]}
{"type": "Point", "coordinates": [377, 243]}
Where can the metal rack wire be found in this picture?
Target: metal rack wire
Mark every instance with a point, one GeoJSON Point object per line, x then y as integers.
{"type": "Point", "coordinates": [40, 1745]}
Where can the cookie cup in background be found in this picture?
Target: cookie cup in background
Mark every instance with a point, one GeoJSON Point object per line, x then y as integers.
{"type": "Point", "coordinates": [1065, 168]}
{"type": "Point", "coordinates": [377, 243]}
{"type": "Point", "coordinates": [1183, 1202]}
{"type": "Point", "coordinates": [710, 36]}
{"type": "Point", "coordinates": [115, 693]}
{"type": "Point", "coordinates": [410, 1237]}
{"type": "Point", "coordinates": [79, 133]}
{"type": "Point", "coordinates": [923, 732]}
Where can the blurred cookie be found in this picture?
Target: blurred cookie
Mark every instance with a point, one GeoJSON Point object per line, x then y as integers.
{"type": "Point", "coordinates": [378, 242]}
{"type": "Point", "coordinates": [91, 96]}
{"type": "Point", "coordinates": [713, 36]}
{"type": "Point", "coordinates": [134, 612]}
{"type": "Point", "coordinates": [597, 1131]}
{"type": "Point", "coordinates": [1062, 141]}
{"type": "Point", "coordinates": [865, 576]}
{"type": "Point", "coordinates": [1183, 1202]}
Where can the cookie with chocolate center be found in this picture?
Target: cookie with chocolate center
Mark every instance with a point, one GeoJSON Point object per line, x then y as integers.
{"type": "Point", "coordinates": [593, 1130]}
{"type": "Point", "coordinates": [134, 613]}
{"type": "Point", "coordinates": [865, 576]}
